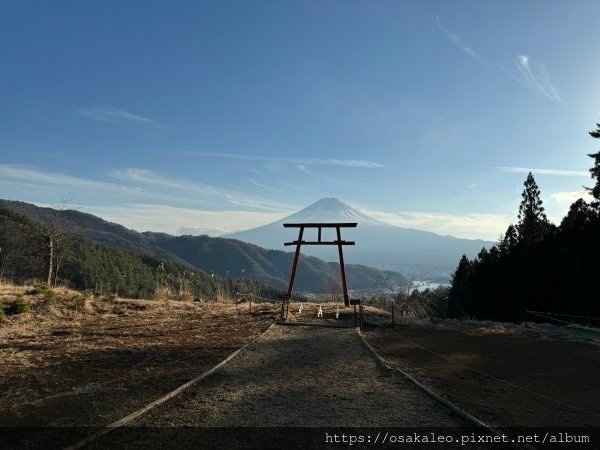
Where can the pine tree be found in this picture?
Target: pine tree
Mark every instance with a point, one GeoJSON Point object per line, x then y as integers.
{"type": "Point", "coordinates": [533, 224]}
{"type": "Point", "coordinates": [507, 243]}
{"type": "Point", "coordinates": [595, 171]}
{"type": "Point", "coordinates": [458, 291]}
{"type": "Point", "coordinates": [577, 218]}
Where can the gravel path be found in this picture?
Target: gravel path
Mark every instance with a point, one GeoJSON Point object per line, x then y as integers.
{"type": "Point", "coordinates": [303, 376]}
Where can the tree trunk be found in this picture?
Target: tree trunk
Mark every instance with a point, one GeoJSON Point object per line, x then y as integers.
{"type": "Point", "coordinates": [50, 260]}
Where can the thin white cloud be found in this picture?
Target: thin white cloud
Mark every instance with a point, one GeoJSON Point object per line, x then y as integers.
{"type": "Point", "coordinates": [131, 185]}
{"type": "Point", "coordinates": [535, 77]}
{"type": "Point", "coordinates": [32, 176]}
{"type": "Point", "coordinates": [471, 226]}
{"type": "Point", "coordinates": [557, 172]}
{"type": "Point", "coordinates": [570, 197]}
{"type": "Point", "coordinates": [302, 168]}
{"type": "Point", "coordinates": [180, 220]}
{"type": "Point", "coordinates": [193, 187]}
{"type": "Point", "coordinates": [531, 74]}
{"type": "Point", "coordinates": [261, 185]}
{"type": "Point", "coordinates": [457, 41]}
{"type": "Point", "coordinates": [114, 115]}
{"type": "Point", "coordinates": [355, 163]}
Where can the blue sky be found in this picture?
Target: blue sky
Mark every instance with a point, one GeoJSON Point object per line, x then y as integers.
{"type": "Point", "coordinates": [217, 116]}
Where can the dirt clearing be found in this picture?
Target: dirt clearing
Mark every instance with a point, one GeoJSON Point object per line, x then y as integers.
{"type": "Point", "coordinates": [67, 368]}
{"type": "Point", "coordinates": [303, 376]}
{"type": "Point", "coordinates": [479, 366]}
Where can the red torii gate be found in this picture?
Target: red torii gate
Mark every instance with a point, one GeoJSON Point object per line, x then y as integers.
{"type": "Point", "coordinates": [299, 243]}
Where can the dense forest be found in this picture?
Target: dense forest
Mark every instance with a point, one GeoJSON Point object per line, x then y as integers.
{"type": "Point", "coordinates": [536, 266]}
{"type": "Point", "coordinates": [32, 252]}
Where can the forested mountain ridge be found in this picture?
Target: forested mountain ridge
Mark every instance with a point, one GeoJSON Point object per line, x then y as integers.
{"type": "Point", "coordinates": [88, 226]}
{"type": "Point", "coordinates": [86, 265]}
{"type": "Point", "coordinates": [234, 257]}
{"type": "Point", "coordinates": [227, 258]}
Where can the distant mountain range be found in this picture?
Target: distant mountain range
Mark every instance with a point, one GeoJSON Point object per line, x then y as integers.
{"type": "Point", "coordinates": [224, 257]}
{"type": "Point", "coordinates": [378, 244]}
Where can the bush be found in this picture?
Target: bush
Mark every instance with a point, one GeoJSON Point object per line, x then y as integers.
{"type": "Point", "coordinates": [18, 306]}
{"type": "Point", "coordinates": [44, 290]}
{"type": "Point", "coordinates": [185, 296]}
{"type": "Point", "coordinates": [162, 293]}
{"type": "Point", "coordinates": [77, 302]}
{"type": "Point", "coordinates": [40, 288]}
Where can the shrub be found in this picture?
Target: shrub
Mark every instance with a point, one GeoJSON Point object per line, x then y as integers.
{"type": "Point", "coordinates": [185, 296]}
{"type": "Point", "coordinates": [40, 288]}
{"type": "Point", "coordinates": [77, 301]}
{"type": "Point", "coordinates": [44, 290]}
{"type": "Point", "coordinates": [18, 306]}
{"type": "Point", "coordinates": [162, 293]}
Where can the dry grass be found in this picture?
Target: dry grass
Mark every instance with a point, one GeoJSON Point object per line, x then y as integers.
{"type": "Point", "coordinates": [76, 360]}
{"type": "Point", "coordinates": [82, 360]}
{"type": "Point", "coordinates": [345, 314]}
{"type": "Point", "coordinates": [162, 293]}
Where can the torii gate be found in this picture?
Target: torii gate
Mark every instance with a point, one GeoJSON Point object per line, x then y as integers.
{"type": "Point", "coordinates": [299, 243]}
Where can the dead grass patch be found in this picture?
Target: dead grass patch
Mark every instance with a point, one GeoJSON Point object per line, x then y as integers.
{"type": "Point", "coordinates": [80, 360]}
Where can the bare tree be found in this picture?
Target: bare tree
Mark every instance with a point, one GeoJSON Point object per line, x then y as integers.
{"type": "Point", "coordinates": [416, 303]}
{"type": "Point", "coordinates": [391, 295]}
{"type": "Point", "coordinates": [332, 287]}
{"type": "Point", "coordinates": [403, 297]}
{"type": "Point", "coordinates": [55, 233]}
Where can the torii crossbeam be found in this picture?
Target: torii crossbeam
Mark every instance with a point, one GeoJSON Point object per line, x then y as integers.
{"type": "Point", "coordinates": [339, 242]}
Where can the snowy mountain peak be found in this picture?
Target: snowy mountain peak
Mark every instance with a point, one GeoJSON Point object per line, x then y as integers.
{"type": "Point", "coordinates": [330, 209]}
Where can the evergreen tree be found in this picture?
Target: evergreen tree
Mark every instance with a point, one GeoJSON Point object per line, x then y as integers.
{"type": "Point", "coordinates": [460, 282]}
{"type": "Point", "coordinates": [595, 171]}
{"type": "Point", "coordinates": [483, 254]}
{"type": "Point", "coordinates": [577, 218]}
{"type": "Point", "coordinates": [509, 241]}
{"type": "Point", "coordinates": [533, 224]}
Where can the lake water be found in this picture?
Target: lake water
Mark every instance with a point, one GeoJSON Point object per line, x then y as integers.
{"type": "Point", "coordinates": [422, 285]}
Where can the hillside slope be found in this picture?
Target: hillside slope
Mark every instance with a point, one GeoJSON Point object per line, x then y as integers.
{"type": "Point", "coordinates": [225, 257]}
{"type": "Point", "coordinates": [86, 265]}
{"type": "Point", "coordinates": [235, 258]}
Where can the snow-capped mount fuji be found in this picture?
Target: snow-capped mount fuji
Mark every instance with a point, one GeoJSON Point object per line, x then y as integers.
{"type": "Point", "coordinates": [328, 210]}
{"type": "Point", "coordinates": [378, 243]}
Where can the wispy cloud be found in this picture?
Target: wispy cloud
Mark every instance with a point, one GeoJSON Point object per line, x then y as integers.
{"type": "Point", "coordinates": [457, 41]}
{"type": "Point", "coordinates": [535, 76]}
{"type": "Point", "coordinates": [355, 163]}
{"type": "Point", "coordinates": [261, 185]}
{"type": "Point", "coordinates": [531, 74]}
{"type": "Point", "coordinates": [557, 172]}
{"type": "Point", "coordinates": [115, 115]}
{"type": "Point", "coordinates": [131, 185]}
{"type": "Point", "coordinates": [570, 197]}
{"type": "Point", "coordinates": [32, 176]}
{"type": "Point", "coordinates": [302, 168]}
{"type": "Point", "coordinates": [215, 193]}
{"type": "Point", "coordinates": [180, 220]}
{"type": "Point", "coordinates": [471, 226]}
